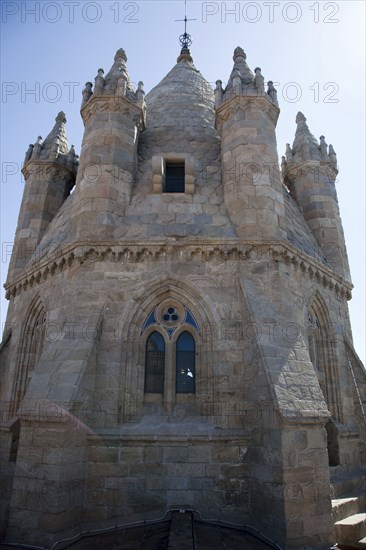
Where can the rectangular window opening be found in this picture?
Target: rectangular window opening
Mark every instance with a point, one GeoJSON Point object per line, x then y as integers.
{"type": "Point", "coordinates": [174, 177]}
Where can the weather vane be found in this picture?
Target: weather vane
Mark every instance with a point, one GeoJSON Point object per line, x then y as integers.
{"type": "Point", "coordinates": [185, 39]}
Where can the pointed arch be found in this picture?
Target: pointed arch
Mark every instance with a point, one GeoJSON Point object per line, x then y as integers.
{"type": "Point", "coordinates": [32, 341]}
{"type": "Point", "coordinates": [176, 288]}
{"type": "Point", "coordinates": [154, 363]}
{"type": "Point", "coordinates": [321, 340]}
{"type": "Point", "coordinates": [323, 354]}
{"type": "Point", "coordinates": [144, 317]}
{"type": "Point", "coordinates": [185, 363]}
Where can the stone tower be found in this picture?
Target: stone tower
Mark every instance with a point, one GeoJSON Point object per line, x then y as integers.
{"type": "Point", "coordinates": [178, 333]}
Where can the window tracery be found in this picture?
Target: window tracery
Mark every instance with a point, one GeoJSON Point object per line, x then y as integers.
{"type": "Point", "coordinates": [175, 354]}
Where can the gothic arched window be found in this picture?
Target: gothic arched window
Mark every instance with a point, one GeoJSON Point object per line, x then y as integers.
{"type": "Point", "coordinates": [155, 364]}
{"type": "Point", "coordinates": [170, 361]}
{"type": "Point", "coordinates": [185, 363]}
{"type": "Point", "coordinates": [32, 346]}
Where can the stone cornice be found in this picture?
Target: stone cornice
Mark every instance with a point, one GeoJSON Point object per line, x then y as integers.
{"type": "Point", "coordinates": [51, 168]}
{"type": "Point", "coordinates": [210, 250]}
{"type": "Point", "coordinates": [231, 107]}
{"type": "Point", "coordinates": [295, 170]}
{"type": "Point", "coordinates": [113, 103]}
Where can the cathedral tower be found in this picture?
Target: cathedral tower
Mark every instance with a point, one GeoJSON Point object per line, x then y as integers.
{"type": "Point", "coordinates": [178, 334]}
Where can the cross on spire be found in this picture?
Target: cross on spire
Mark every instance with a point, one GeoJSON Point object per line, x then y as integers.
{"type": "Point", "coordinates": [185, 39]}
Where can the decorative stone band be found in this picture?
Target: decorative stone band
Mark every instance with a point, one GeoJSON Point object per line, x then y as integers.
{"type": "Point", "coordinates": [210, 251]}
{"type": "Point", "coordinates": [45, 169]}
{"type": "Point", "coordinates": [292, 171]}
{"type": "Point", "coordinates": [112, 103]}
{"type": "Point", "coordinates": [231, 107]}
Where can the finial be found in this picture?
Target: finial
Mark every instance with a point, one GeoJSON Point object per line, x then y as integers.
{"type": "Point", "coordinates": [28, 154]}
{"type": "Point", "coordinates": [332, 156]}
{"type": "Point", "coordinates": [185, 39]}
{"type": "Point", "coordinates": [272, 92]}
{"type": "Point", "coordinates": [300, 117]}
{"type": "Point", "coordinates": [120, 54]}
{"type": "Point", "coordinates": [86, 93]}
{"type": "Point", "coordinates": [259, 80]}
{"type": "Point", "coordinates": [99, 82]}
{"type": "Point", "coordinates": [239, 52]}
{"type": "Point", "coordinates": [289, 154]}
{"type": "Point", "coordinates": [37, 148]}
{"type": "Point", "coordinates": [71, 156]}
{"type": "Point", "coordinates": [323, 148]}
{"type": "Point", "coordinates": [218, 93]}
{"type": "Point", "coordinates": [284, 167]}
{"type": "Point", "coordinates": [140, 94]}
{"type": "Point", "coordinates": [61, 117]}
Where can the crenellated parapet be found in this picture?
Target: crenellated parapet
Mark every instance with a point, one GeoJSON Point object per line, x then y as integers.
{"type": "Point", "coordinates": [309, 169]}
{"type": "Point", "coordinates": [53, 149]}
{"type": "Point", "coordinates": [115, 85]}
{"type": "Point", "coordinates": [243, 82]}
{"type": "Point", "coordinates": [306, 147]}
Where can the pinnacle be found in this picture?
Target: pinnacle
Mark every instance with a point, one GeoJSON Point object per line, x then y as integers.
{"type": "Point", "coordinates": [120, 54]}
{"type": "Point", "coordinates": [117, 71]}
{"type": "Point", "coordinates": [58, 133]}
{"type": "Point", "coordinates": [239, 52]}
{"type": "Point", "coordinates": [61, 117]}
{"type": "Point", "coordinates": [300, 117]}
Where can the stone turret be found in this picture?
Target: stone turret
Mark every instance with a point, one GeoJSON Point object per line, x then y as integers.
{"type": "Point", "coordinates": [113, 115]}
{"type": "Point", "coordinates": [310, 170]}
{"type": "Point", "coordinates": [246, 118]}
{"type": "Point", "coordinates": [49, 170]}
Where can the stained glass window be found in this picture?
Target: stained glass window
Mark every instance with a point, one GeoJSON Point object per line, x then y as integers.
{"type": "Point", "coordinates": [155, 364]}
{"type": "Point", "coordinates": [185, 364]}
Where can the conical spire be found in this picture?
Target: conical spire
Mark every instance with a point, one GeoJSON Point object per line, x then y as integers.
{"type": "Point", "coordinates": [56, 140]}
{"type": "Point", "coordinates": [118, 73]}
{"type": "Point", "coordinates": [305, 146]}
{"type": "Point", "coordinates": [240, 64]}
{"type": "Point", "coordinates": [243, 82]}
{"type": "Point", "coordinates": [182, 90]}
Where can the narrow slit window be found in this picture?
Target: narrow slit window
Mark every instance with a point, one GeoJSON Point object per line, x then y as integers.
{"type": "Point", "coordinates": [185, 364]}
{"type": "Point", "coordinates": [174, 177]}
{"type": "Point", "coordinates": [155, 364]}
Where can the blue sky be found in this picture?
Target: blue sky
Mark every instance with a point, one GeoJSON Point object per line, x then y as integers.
{"type": "Point", "coordinates": [313, 51]}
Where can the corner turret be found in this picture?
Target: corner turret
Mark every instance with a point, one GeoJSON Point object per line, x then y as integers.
{"type": "Point", "coordinates": [246, 118]}
{"type": "Point", "coordinates": [114, 114]}
{"type": "Point", "coordinates": [309, 170]}
{"type": "Point", "coordinates": [49, 169]}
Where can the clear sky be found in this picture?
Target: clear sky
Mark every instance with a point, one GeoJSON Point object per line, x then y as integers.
{"type": "Point", "coordinates": [313, 51]}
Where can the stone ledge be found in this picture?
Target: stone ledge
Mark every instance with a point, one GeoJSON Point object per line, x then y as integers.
{"type": "Point", "coordinates": [213, 249]}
